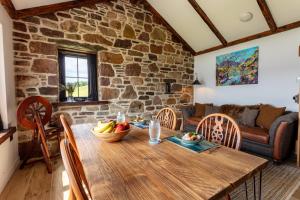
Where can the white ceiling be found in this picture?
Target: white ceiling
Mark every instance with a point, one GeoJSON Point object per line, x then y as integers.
{"type": "Point", "coordinates": [223, 13]}
{"type": "Point", "coordinates": [225, 16]}
{"type": "Point", "coordinates": [194, 30]}
{"type": "Point", "coordinates": [284, 11]}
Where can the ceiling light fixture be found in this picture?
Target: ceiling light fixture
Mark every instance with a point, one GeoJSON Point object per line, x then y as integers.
{"type": "Point", "coordinates": [246, 17]}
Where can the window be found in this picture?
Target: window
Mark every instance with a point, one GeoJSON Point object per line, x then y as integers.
{"type": "Point", "coordinates": [80, 72]}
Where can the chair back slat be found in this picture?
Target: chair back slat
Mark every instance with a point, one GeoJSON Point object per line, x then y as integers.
{"type": "Point", "coordinates": [167, 118]}
{"type": "Point", "coordinates": [68, 157]}
{"type": "Point", "coordinates": [221, 129]}
{"type": "Point", "coordinates": [69, 136]}
{"type": "Point", "coordinates": [69, 133]}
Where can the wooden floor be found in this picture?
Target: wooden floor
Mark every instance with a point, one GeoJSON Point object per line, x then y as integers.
{"type": "Point", "coordinates": [34, 183]}
{"type": "Point", "coordinates": [296, 195]}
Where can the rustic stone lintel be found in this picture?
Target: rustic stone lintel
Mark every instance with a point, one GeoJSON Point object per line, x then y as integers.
{"type": "Point", "coordinates": [80, 103]}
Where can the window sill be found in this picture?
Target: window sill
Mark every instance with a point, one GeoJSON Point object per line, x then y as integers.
{"type": "Point", "coordinates": [7, 133]}
{"type": "Point", "coordinates": [80, 103]}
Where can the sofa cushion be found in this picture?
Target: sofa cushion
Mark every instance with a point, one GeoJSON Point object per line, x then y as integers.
{"type": "Point", "coordinates": [200, 109]}
{"type": "Point", "coordinates": [255, 134]}
{"type": "Point", "coordinates": [267, 115]}
{"type": "Point", "coordinates": [209, 109]}
{"type": "Point", "coordinates": [193, 120]}
{"type": "Point", "coordinates": [248, 117]}
{"type": "Point", "coordinates": [235, 111]}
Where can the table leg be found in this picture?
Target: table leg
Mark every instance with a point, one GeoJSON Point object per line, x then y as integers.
{"type": "Point", "coordinates": [246, 190]}
{"type": "Point", "coordinates": [254, 188]}
{"type": "Point", "coordinates": [260, 180]}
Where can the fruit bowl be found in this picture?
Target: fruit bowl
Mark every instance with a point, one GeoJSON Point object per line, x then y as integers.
{"type": "Point", "coordinates": [112, 135]}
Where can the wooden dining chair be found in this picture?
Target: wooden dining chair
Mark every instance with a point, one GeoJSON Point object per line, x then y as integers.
{"type": "Point", "coordinates": [220, 129]}
{"type": "Point", "coordinates": [167, 118]}
{"type": "Point", "coordinates": [69, 137]}
{"type": "Point", "coordinates": [223, 130]}
{"type": "Point", "coordinates": [68, 133]}
{"type": "Point", "coordinates": [69, 158]}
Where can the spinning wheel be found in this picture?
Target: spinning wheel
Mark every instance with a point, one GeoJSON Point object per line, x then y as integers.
{"type": "Point", "coordinates": [34, 113]}
{"type": "Point", "coordinates": [29, 107]}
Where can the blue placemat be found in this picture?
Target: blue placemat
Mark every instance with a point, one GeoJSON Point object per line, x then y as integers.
{"type": "Point", "coordinates": [199, 147]}
{"type": "Point", "coordinates": [141, 125]}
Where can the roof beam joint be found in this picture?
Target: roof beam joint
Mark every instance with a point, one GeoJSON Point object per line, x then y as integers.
{"type": "Point", "coordinates": [209, 23]}
{"type": "Point", "coordinates": [267, 14]}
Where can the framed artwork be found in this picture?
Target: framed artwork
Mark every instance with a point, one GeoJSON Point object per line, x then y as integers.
{"type": "Point", "coordinates": [237, 68]}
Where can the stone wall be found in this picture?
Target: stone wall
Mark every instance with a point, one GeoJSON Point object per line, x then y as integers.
{"type": "Point", "coordinates": [136, 56]}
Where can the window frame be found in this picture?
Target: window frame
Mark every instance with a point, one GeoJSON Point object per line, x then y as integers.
{"type": "Point", "coordinates": [92, 74]}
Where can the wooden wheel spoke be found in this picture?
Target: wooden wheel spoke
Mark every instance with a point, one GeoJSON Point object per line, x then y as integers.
{"type": "Point", "coordinates": [28, 108]}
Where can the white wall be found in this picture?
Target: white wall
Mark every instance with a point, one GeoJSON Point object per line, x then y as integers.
{"type": "Point", "coordinates": [9, 157]}
{"type": "Point", "coordinates": [279, 67]}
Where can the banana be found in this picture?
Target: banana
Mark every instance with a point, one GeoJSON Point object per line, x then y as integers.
{"type": "Point", "coordinates": [103, 127]}
{"type": "Point", "coordinates": [109, 129]}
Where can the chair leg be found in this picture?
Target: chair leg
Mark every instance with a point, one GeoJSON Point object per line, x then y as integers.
{"type": "Point", "coordinates": [71, 195]}
{"type": "Point", "coordinates": [227, 197]}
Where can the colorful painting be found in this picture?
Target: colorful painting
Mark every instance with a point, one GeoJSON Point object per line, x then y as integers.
{"type": "Point", "coordinates": [238, 68]}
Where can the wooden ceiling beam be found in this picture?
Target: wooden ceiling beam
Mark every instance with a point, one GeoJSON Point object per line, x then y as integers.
{"type": "Point", "coordinates": [253, 37]}
{"type": "Point", "coordinates": [54, 7]}
{"type": "Point", "coordinates": [209, 23]}
{"type": "Point", "coordinates": [165, 23]}
{"type": "Point", "coordinates": [267, 14]}
{"type": "Point", "coordinates": [9, 7]}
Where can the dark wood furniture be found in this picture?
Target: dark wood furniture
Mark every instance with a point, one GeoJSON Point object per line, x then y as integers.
{"type": "Point", "coordinates": [7, 133]}
{"type": "Point", "coordinates": [133, 168]}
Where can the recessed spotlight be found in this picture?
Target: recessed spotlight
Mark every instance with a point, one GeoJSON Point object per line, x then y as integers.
{"type": "Point", "coordinates": [246, 17]}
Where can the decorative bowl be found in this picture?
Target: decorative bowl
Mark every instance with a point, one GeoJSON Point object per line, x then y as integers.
{"type": "Point", "coordinates": [111, 137]}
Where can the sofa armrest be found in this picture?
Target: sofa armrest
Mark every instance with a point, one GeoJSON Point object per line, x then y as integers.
{"type": "Point", "coordinates": [289, 118]}
{"type": "Point", "coordinates": [282, 132]}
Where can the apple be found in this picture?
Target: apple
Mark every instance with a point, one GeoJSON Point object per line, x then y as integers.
{"type": "Point", "coordinates": [126, 125]}
{"type": "Point", "coordinates": [119, 128]}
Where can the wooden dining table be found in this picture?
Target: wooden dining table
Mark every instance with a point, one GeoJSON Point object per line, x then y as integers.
{"type": "Point", "coordinates": [134, 169]}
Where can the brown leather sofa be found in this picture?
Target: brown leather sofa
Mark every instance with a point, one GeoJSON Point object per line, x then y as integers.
{"type": "Point", "coordinates": [277, 142]}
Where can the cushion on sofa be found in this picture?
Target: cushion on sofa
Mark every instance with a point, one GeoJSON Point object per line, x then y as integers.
{"type": "Point", "coordinates": [235, 111]}
{"type": "Point", "coordinates": [200, 109]}
{"type": "Point", "coordinates": [267, 115]}
{"type": "Point", "coordinates": [255, 134]}
{"type": "Point", "coordinates": [212, 109]}
{"type": "Point", "coordinates": [248, 117]}
{"type": "Point", "coordinates": [193, 120]}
